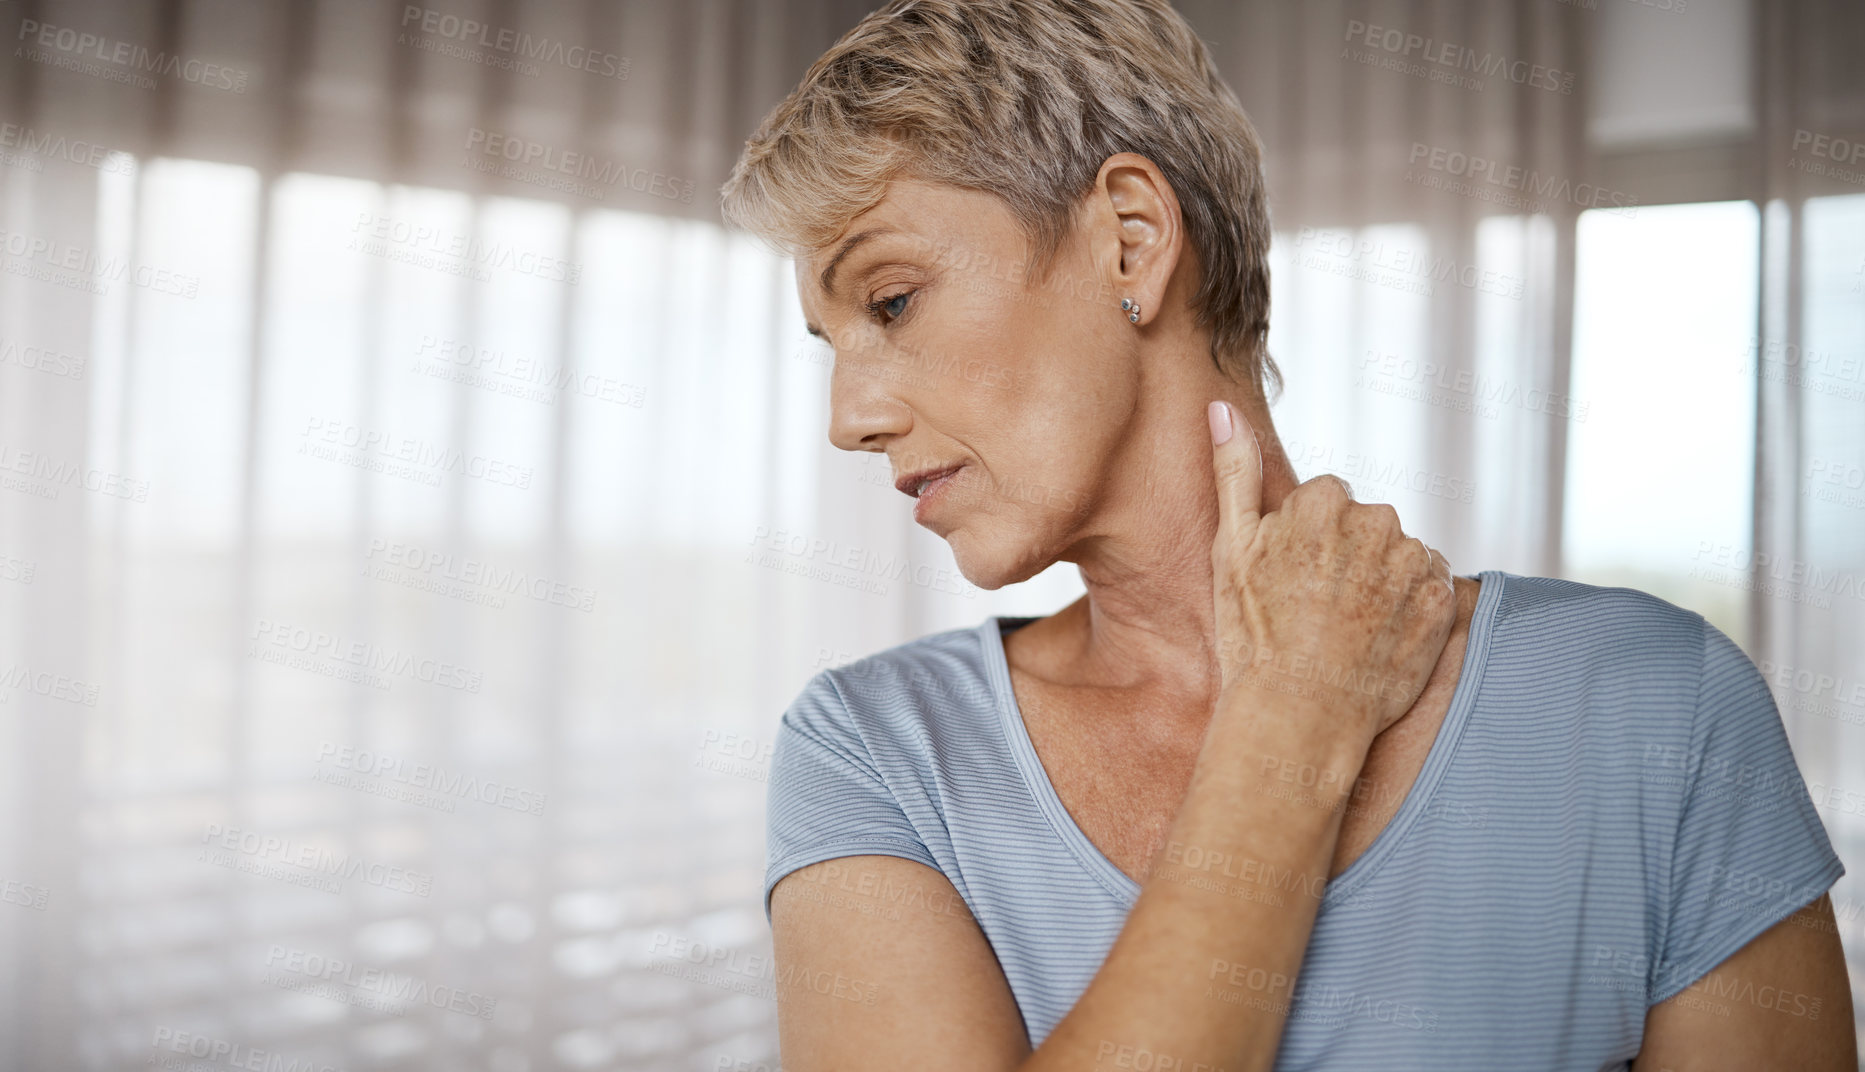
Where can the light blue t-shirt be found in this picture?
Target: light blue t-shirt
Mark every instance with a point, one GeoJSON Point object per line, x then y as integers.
{"type": "Point", "coordinates": [1610, 810]}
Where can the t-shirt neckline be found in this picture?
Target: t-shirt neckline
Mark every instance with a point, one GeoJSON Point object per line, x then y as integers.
{"type": "Point", "coordinates": [1117, 882]}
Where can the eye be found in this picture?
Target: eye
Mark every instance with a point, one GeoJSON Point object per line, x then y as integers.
{"type": "Point", "coordinates": [891, 307]}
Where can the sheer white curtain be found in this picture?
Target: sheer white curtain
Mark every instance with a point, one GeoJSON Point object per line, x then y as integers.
{"type": "Point", "coordinates": [415, 510]}
{"type": "Point", "coordinates": [1806, 572]}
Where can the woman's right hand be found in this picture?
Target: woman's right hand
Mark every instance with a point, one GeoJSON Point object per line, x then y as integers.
{"type": "Point", "coordinates": [1323, 599]}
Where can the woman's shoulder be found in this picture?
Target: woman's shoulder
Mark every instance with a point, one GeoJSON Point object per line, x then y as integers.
{"type": "Point", "coordinates": [1564, 622]}
{"type": "Point", "coordinates": [1619, 649]}
{"type": "Point", "coordinates": [899, 696]}
{"type": "Point", "coordinates": [1557, 600]}
{"type": "Point", "coordinates": [1651, 704]}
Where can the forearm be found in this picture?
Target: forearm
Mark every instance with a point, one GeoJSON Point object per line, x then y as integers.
{"type": "Point", "coordinates": [1205, 966]}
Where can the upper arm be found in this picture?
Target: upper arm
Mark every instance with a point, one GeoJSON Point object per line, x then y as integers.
{"type": "Point", "coordinates": [878, 961]}
{"type": "Point", "coordinates": [1782, 1001]}
{"type": "Point", "coordinates": [880, 965]}
{"type": "Point", "coordinates": [1746, 965]}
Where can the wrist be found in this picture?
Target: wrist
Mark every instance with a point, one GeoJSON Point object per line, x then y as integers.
{"type": "Point", "coordinates": [1294, 745]}
{"type": "Point", "coordinates": [1355, 698]}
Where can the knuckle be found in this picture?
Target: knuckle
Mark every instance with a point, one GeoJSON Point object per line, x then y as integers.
{"type": "Point", "coordinates": [1438, 588]}
{"type": "Point", "coordinates": [1437, 592]}
{"type": "Point", "coordinates": [1417, 557]}
{"type": "Point", "coordinates": [1233, 468]}
{"type": "Point", "coordinates": [1324, 496]}
{"type": "Point", "coordinates": [1325, 487]}
{"type": "Point", "coordinates": [1381, 516]}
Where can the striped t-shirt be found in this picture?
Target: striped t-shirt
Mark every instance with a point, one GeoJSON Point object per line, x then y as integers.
{"type": "Point", "coordinates": [1610, 810]}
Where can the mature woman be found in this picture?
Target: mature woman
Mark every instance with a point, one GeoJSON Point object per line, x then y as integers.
{"type": "Point", "coordinates": [1280, 789]}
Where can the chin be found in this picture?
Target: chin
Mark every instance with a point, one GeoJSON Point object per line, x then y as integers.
{"type": "Point", "coordinates": [993, 562]}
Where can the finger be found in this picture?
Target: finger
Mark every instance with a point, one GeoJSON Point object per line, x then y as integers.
{"type": "Point", "coordinates": [1321, 491]}
{"type": "Point", "coordinates": [1238, 466]}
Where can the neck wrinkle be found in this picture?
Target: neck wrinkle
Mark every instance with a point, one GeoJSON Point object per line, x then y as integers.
{"type": "Point", "coordinates": [1146, 620]}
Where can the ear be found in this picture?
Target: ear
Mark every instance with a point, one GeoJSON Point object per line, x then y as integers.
{"type": "Point", "coordinates": [1142, 252]}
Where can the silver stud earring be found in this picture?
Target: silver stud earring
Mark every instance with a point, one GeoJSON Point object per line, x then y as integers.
{"type": "Point", "coordinates": [1133, 308]}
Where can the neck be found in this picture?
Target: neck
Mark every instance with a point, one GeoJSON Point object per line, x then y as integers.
{"type": "Point", "coordinates": [1146, 620]}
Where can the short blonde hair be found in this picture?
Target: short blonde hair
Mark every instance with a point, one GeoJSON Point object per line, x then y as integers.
{"type": "Point", "coordinates": [1024, 99]}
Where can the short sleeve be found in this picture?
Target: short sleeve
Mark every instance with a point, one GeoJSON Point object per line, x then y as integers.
{"type": "Point", "coordinates": [826, 797]}
{"type": "Point", "coordinates": [1750, 849]}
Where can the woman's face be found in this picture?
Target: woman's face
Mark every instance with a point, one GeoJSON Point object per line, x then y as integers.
{"type": "Point", "coordinates": [944, 358]}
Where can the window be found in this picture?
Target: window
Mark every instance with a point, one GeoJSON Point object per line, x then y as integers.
{"type": "Point", "coordinates": [1659, 475]}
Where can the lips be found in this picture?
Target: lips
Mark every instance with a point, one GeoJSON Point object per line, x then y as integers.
{"type": "Point", "coordinates": [915, 483]}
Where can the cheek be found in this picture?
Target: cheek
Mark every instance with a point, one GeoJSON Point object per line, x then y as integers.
{"type": "Point", "coordinates": [1037, 391]}
{"type": "Point", "coordinates": [1046, 360]}
{"type": "Point", "coordinates": [1040, 468]}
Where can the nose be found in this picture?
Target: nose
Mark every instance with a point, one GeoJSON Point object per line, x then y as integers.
{"type": "Point", "coordinates": [863, 409]}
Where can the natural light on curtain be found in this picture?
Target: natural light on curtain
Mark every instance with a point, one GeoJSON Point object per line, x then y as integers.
{"type": "Point", "coordinates": [402, 638]}
{"type": "Point", "coordinates": [1370, 395]}
{"type": "Point", "coordinates": [518, 457]}
{"type": "Point", "coordinates": [1818, 674]}
{"type": "Point", "coordinates": [1659, 476]}
{"type": "Point", "coordinates": [1361, 326]}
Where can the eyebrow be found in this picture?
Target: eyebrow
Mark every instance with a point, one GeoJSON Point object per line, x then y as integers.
{"type": "Point", "coordinates": [827, 278]}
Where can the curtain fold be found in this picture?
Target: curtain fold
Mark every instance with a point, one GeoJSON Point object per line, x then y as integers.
{"type": "Point", "coordinates": [1807, 596]}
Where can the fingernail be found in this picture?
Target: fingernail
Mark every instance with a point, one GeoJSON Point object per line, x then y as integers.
{"type": "Point", "coordinates": [1219, 413]}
